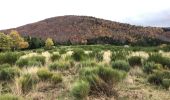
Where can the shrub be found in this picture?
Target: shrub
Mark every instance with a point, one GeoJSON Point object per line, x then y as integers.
{"type": "Point", "coordinates": [101, 79]}
{"type": "Point", "coordinates": [80, 89]}
{"type": "Point", "coordinates": [135, 60]}
{"type": "Point", "coordinates": [149, 67]}
{"type": "Point", "coordinates": [110, 75]}
{"type": "Point", "coordinates": [59, 65]}
{"type": "Point", "coordinates": [78, 55]}
{"type": "Point", "coordinates": [31, 61]}
{"type": "Point", "coordinates": [9, 73]}
{"type": "Point", "coordinates": [166, 83]}
{"type": "Point", "coordinates": [9, 57]}
{"type": "Point", "coordinates": [158, 77]}
{"type": "Point", "coordinates": [99, 56]}
{"type": "Point", "coordinates": [155, 78]}
{"type": "Point", "coordinates": [9, 97]}
{"type": "Point", "coordinates": [27, 82]}
{"type": "Point", "coordinates": [56, 78]}
{"type": "Point", "coordinates": [55, 57]}
{"type": "Point", "coordinates": [119, 55]}
{"type": "Point", "coordinates": [121, 65]}
{"type": "Point", "coordinates": [158, 58]}
{"type": "Point", "coordinates": [44, 74]}
{"type": "Point", "coordinates": [4, 66]}
{"type": "Point", "coordinates": [91, 63]}
{"type": "Point", "coordinates": [39, 58]}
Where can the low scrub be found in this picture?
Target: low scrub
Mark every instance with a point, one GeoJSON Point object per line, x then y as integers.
{"type": "Point", "coordinates": [160, 78]}
{"type": "Point", "coordinates": [121, 65]}
{"type": "Point", "coordinates": [80, 89]}
{"type": "Point", "coordinates": [135, 60]}
{"type": "Point", "coordinates": [158, 58]}
{"type": "Point", "coordinates": [60, 65]}
{"type": "Point", "coordinates": [55, 57]}
{"type": "Point", "coordinates": [150, 67]}
{"type": "Point", "coordinates": [9, 97]}
{"type": "Point", "coordinates": [8, 73]}
{"type": "Point", "coordinates": [44, 74]}
{"type": "Point", "coordinates": [79, 55]}
{"type": "Point", "coordinates": [27, 82]}
{"type": "Point", "coordinates": [9, 57]}
{"type": "Point", "coordinates": [101, 78]}
{"type": "Point", "coordinates": [56, 78]}
{"type": "Point", "coordinates": [31, 61]}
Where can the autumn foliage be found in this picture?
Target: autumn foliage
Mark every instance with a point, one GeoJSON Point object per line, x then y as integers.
{"type": "Point", "coordinates": [12, 41]}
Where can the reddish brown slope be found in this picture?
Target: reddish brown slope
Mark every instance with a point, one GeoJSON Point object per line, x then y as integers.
{"type": "Point", "coordinates": [81, 28]}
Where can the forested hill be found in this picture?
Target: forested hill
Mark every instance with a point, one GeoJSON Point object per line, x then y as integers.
{"type": "Point", "coordinates": [89, 30]}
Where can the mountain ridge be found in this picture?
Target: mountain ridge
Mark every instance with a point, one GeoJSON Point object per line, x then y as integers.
{"type": "Point", "coordinates": [91, 30]}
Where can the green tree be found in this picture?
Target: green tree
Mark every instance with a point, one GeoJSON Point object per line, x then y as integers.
{"type": "Point", "coordinates": [49, 43]}
{"type": "Point", "coordinates": [5, 42]}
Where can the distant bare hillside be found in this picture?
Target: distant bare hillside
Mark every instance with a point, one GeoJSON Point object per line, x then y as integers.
{"type": "Point", "coordinates": [83, 29]}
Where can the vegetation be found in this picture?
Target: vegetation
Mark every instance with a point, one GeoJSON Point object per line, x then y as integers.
{"type": "Point", "coordinates": [49, 43]}
{"type": "Point", "coordinates": [80, 89]}
{"type": "Point", "coordinates": [83, 72]}
{"type": "Point", "coordinates": [121, 65]}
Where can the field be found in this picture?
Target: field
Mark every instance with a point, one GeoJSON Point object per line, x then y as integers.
{"type": "Point", "coordinates": [86, 72]}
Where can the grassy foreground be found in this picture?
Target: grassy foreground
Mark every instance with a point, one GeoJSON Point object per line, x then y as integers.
{"type": "Point", "coordinates": [86, 72]}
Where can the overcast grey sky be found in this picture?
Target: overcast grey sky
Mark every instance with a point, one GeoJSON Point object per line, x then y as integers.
{"type": "Point", "coordinates": [14, 13]}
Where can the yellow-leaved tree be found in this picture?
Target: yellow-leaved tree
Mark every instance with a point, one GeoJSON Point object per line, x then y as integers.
{"type": "Point", "coordinates": [5, 42]}
{"type": "Point", "coordinates": [49, 43]}
{"type": "Point", "coordinates": [18, 41]}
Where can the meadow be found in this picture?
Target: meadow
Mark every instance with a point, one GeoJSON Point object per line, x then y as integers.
{"type": "Point", "coordinates": [86, 72]}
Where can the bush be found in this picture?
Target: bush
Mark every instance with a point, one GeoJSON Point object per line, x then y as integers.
{"type": "Point", "coordinates": [158, 58]}
{"type": "Point", "coordinates": [56, 78]}
{"type": "Point", "coordinates": [9, 73]}
{"type": "Point", "coordinates": [80, 89]}
{"type": "Point", "coordinates": [121, 65]}
{"type": "Point", "coordinates": [9, 57]}
{"type": "Point", "coordinates": [55, 57]}
{"type": "Point", "coordinates": [27, 82]}
{"type": "Point", "coordinates": [78, 55]}
{"type": "Point", "coordinates": [31, 61]}
{"type": "Point", "coordinates": [9, 97]}
{"type": "Point", "coordinates": [101, 79]}
{"type": "Point", "coordinates": [155, 78]}
{"type": "Point", "coordinates": [59, 65]}
{"type": "Point", "coordinates": [158, 77]}
{"type": "Point", "coordinates": [135, 60]}
{"type": "Point", "coordinates": [44, 74]}
{"type": "Point", "coordinates": [4, 66]}
{"type": "Point", "coordinates": [119, 55]}
{"type": "Point", "coordinates": [91, 63]}
{"type": "Point", "coordinates": [166, 83]}
{"type": "Point", "coordinates": [149, 67]}
{"type": "Point", "coordinates": [110, 75]}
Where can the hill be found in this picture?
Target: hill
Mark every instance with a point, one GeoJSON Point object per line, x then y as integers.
{"type": "Point", "coordinates": [90, 30]}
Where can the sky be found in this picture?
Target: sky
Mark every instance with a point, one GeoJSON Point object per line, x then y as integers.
{"type": "Point", "coordinates": [14, 13]}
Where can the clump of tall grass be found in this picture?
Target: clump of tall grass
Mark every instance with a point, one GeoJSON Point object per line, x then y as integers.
{"type": "Point", "coordinates": [31, 61]}
{"type": "Point", "coordinates": [60, 65]}
{"type": "Point", "coordinates": [27, 82]}
{"type": "Point", "coordinates": [101, 78]}
{"type": "Point", "coordinates": [135, 60]}
{"type": "Point", "coordinates": [55, 57]}
{"type": "Point", "coordinates": [79, 55]}
{"type": "Point", "coordinates": [80, 89]}
{"type": "Point", "coordinates": [158, 58]}
{"type": "Point", "coordinates": [10, 97]}
{"type": "Point", "coordinates": [9, 57]}
{"type": "Point", "coordinates": [121, 65]}
{"type": "Point", "coordinates": [8, 73]}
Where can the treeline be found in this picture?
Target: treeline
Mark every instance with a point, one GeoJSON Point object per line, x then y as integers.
{"type": "Point", "coordinates": [14, 41]}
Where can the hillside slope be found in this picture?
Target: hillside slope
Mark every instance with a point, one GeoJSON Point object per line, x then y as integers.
{"type": "Point", "coordinates": [90, 30]}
